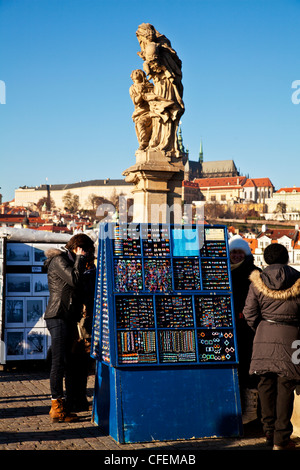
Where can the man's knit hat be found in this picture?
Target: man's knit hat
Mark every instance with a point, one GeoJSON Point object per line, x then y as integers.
{"type": "Point", "coordinates": [276, 254]}
{"type": "Point", "coordinates": [237, 243]}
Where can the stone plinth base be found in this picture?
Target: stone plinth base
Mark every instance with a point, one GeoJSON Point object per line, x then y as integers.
{"type": "Point", "coordinates": [158, 187]}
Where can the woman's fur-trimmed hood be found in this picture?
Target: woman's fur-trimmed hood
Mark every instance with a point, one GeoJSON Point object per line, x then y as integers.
{"type": "Point", "coordinates": [50, 254]}
{"type": "Point", "coordinates": [278, 282]}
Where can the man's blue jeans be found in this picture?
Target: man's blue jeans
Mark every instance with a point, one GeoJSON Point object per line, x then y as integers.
{"type": "Point", "coordinates": [62, 340]}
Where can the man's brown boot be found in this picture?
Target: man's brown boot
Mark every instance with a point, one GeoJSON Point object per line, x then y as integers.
{"type": "Point", "coordinates": [58, 414]}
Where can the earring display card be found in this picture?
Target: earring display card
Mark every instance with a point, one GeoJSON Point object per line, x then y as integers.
{"type": "Point", "coordinates": [215, 274]}
{"type": "Point", "coordinates": [177, 346]}
{"type": "Point", "coordinates": [105, 323]}
{"type": "Point", "coordinates": [156, 241]}
{"type": "Point", "coordinates": [128, 275]}
{"type": "Point", "coordinates": [174, 312]}
{"type": "Point", "coordinates": [186, 274]}
{"type": "Point", "coordinates": [158, 276]}
{"type": "Point", "coordinates": [136, 347]}
{"type": "Point", "coordinates": [98, 314]}
{"type": "Point", "coordinates": [213, 311]}
{"type": "Point", "coordinates": [134, 312]}
{"type": "Point", "coordinates": [126, 242]}
{"type": "Point", "coordinates": [100, 346]}
{"type": "Point", "coordinates": [216, 345]}
{"type": "Point", "coordinates": [214, 249]}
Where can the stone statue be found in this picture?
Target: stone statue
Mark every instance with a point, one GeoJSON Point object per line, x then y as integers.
{"type": "Point", "coordinates": [141, 115]}
{"type": "Point", "coordinates": [162, 104]}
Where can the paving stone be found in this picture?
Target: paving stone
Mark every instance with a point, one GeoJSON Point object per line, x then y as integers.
{"type": "Point", "coordinates": [25, 424]}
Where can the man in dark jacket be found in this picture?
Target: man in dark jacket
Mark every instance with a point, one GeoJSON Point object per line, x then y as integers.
{"type": "Point", "coordinates": [273, 309]}
{"type": "Point", "coordinates": [65, 273]}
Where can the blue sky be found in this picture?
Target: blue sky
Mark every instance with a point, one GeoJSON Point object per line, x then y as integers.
{"type": "Point", "coordinates": [66, 66]}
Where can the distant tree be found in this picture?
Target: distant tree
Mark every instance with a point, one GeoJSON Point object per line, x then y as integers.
{"type": "Point", "coordinates": [44, 200]}
{"type": "Point", "coordinates": [95, 201]}
{"type": "Point", "coordinates": [252, 213]}
{"type": "Point", "coordinates": [118, 202]}
{"type": "Point", "coordinates": [280, 208]}
{"type": "Point", "coordinates": [71, 202]}
{"type": "Point", "coordinates": [213, 210]}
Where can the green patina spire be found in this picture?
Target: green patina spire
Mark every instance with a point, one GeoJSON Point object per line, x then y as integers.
{"type": "Point", "coordinates": [180, 141]}
{"type": "Point", "coordinates": [201, 153]}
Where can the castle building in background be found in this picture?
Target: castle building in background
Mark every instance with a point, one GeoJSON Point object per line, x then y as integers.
{"type": "Point", "coordinates": [108, 189]}
{"type": "Point", "coordinates": [236, 189]}
{"type": "Point", "coordinates": [202, 169]}
{"type": "Point", "coordinates": [220, 181]}
{"type": "Point", "coordinates": [213, 182]}
{"type": "Point", "coordinates": [227, 189]}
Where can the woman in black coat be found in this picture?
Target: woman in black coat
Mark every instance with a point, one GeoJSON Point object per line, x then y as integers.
{"type": "Point", "coordinates": [273, 309]}
{"type": "Point", "coordinates": [65, 271]}
{"type": "Point", "coordinates": [242, 265]}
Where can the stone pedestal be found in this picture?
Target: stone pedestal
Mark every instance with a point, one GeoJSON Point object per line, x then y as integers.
{"type": "Point", "coordinates": [157, 193]}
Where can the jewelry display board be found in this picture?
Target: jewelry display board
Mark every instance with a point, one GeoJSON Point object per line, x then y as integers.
{"type": "Point", "coordinates": [164, 334]}
{"type": "Point", "coordinates": [163, 296]}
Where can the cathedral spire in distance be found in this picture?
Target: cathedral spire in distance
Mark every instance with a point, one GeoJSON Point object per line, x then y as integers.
{"type": "Point", "coordinates": [201, 153]}
{"type": "Point", "coordinates": [180, 141]}
{"type": "Point", "coordinates": [183, 151]}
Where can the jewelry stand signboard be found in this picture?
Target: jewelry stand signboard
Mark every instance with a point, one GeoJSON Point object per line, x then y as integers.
{"type": "Point", "coordinates": [164, 334]}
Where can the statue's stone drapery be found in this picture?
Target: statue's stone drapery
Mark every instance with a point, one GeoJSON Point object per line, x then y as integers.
{"type": "Point", "coordinates": [158, 107]}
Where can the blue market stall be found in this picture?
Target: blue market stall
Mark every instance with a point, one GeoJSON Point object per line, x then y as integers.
{"type": "Point", "coordinates": [164, 336]}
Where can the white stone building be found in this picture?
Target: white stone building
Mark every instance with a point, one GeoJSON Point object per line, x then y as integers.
{"type": "Point", "coordinates": [257, 190]}
{"type": "Point", "coordinates": [289, 200]}
{"type": "Point", "coordinates": [109, 189]}
{"type": "Point", "coordinates": [290, 238]}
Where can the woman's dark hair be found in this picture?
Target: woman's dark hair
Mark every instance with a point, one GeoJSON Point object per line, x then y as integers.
{"type": "Point", "coordinates": [81, 241]}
